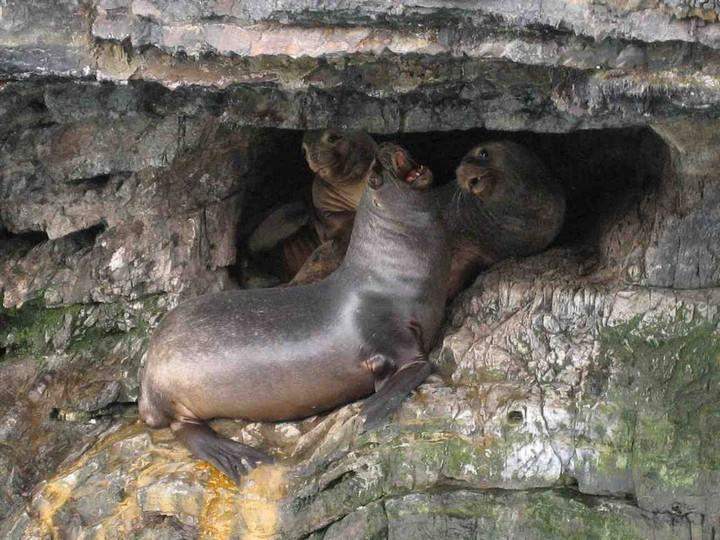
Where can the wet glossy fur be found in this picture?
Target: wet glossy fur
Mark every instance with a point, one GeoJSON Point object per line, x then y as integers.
{"type": "Point", "coordinates": [287, 353]}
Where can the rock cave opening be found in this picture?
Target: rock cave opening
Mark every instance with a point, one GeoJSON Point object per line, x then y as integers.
{"type": "Point", "coordinates": [607, 174]}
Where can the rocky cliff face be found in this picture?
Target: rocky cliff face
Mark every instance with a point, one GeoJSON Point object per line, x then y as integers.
{"type": "Point", "coordinates": [577, 392]}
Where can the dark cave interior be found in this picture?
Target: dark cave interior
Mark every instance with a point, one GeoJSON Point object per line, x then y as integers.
{"type": "Point", "coordinates": [605, 172]}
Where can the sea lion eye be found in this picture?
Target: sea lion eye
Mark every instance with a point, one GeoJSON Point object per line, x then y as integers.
{"type": "Point", "coordinates": [332, 138]}
{"type": "Point", "coordinates": [483, 154]}
{"type": "Point", "coordinates": [375, 176]}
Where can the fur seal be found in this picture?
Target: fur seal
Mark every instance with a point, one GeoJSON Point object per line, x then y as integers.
{"type": "Point", "coordinates": [287, 353]}
{"type": "Point", "coordinates": [340, 161]}
{"type": "Point", "coordinates": [504, 203]}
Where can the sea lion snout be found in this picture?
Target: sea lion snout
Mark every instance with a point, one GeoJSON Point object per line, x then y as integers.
{"type": "Point", "coordinates": [420, 177]}
{"type": "Point", "coordinates": [475, 179]}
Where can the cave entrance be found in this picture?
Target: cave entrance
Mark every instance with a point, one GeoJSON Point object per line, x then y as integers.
{"type": "Point", "coordinates": [606, 174]}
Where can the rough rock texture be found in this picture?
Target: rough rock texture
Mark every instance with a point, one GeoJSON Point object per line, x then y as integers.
{"type": "Point", "coordinates": [563, 412]}
{"type": "Point", "coordinates": [578, 391]}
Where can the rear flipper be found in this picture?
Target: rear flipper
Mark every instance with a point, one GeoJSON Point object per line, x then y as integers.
{"type": "Point", "coordinates": [232, 458]}
{"type": "Point", "coordinates": [392, 393]}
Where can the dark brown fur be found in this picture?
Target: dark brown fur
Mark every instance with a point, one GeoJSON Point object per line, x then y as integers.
{"type": "Point", "coordinates": [503, 203]}
{"type": "Point", "coordinates": [287, 353]}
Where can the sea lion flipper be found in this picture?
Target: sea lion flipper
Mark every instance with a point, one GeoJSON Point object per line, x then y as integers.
{"type": "Point", "coordinates": [323, 262]}
{"type": "Point", "coordinates": [232, 458]}
{"type": "Point", "coordinates": [386, 400]}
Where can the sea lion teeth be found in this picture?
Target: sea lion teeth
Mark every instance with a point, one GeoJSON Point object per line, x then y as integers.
{"type": "Point", "coordinates": [281, 354]}
{"type": "Point", "coordinates": [415, 173]}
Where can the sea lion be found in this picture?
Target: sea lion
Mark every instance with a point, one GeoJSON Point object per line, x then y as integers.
{"type": "Point", "coordinates": [341, 162]}
{"type": "Point", "coordinates": [504, 203]}
{"type": "Point", "coordinates": [287, 353]}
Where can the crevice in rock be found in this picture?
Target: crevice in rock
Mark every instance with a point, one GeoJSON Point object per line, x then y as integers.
{"type": "Point", "coordinates": [86, 238]}
{"type": "Point", "coordinates": [96, 182]}
{"type": "Point", "coordinates": [15, 245]}
{"type": "Point", "coordinates": [611, 178]}
{"type": "Point", "coordinates": [29, 237]}
{"type": "Point", "coordinates": [347, 476]}
{"type": "Point", "coordinates": [115, 409]}
{"type": "Point", "coordinates": [515, 417]}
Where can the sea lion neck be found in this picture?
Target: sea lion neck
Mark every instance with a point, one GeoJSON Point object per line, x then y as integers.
{"type": "Point", "coordinates": [405, 223]}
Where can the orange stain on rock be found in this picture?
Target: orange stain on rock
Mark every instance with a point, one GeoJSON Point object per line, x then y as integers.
{"type": "Point", "coordinates": [254, 505]}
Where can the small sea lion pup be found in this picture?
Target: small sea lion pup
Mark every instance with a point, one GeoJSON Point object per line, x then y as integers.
{"type": "Point", "coordinates": [341, 162]}
{"type": "Point", "coordinates": [503, 203]}
{"type": "Point", "coordinates": [287, 353]}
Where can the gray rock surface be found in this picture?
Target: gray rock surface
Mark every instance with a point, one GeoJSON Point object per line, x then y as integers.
{"type": "Point", "coordinates": [561, 412]}
{"type": "Point", "coordinates": [577, 394]}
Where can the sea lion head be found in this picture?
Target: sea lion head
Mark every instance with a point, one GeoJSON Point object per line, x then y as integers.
{"type": "Point", "coordinates": [479, 172]}
{"type": "Point", "coordinates": [395, 165]}
{"type": "Point", "coordinates": [339, 157]}
{"type": "Point", "coordinates": [498, 170]}
{"type": "Point", "coordinates": [504, 192]}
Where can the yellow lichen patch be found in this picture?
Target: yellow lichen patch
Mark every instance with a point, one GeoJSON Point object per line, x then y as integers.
{"type": "Point", "coordinates": [260, 508]}
{"type": "Point", "coordinates": [123, 521]}
{"type": "Point", "coordinates": [53, 496]}
{"type": "Point", "coordinates": [49, 501]}
{"type": "Point", "coordinates": [256, 502]}
{"type": "Point", "coordinates": [220, 505]}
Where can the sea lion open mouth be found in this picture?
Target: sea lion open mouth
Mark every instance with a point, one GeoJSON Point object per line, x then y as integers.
{"type": "Point", "coordinates": [420, 177]}
{"type": "Point", "coordinates": [414, 174]}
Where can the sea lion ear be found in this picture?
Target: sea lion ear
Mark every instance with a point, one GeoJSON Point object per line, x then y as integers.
{"type": "Point", "coordinates": [375, 179]}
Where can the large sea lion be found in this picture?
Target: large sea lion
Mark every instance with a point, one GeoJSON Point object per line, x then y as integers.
{"type": "Point", "coordinates": [287, 353]}
{"type": "Point", "coordinates": [503, 203]}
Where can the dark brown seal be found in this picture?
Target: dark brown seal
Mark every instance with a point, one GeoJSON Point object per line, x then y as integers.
{"type": "Point", "coordinates": [287, 353]}
{"type": "Point", "coordinates": [340, 161]}
{"type": "Point", "coordinates": [503, 203]}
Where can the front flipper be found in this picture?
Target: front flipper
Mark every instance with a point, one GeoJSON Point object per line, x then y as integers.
{"type": "Point", "coordinates": [232, 458]}
{"type": "Point", "coordinates": [392, 393]}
